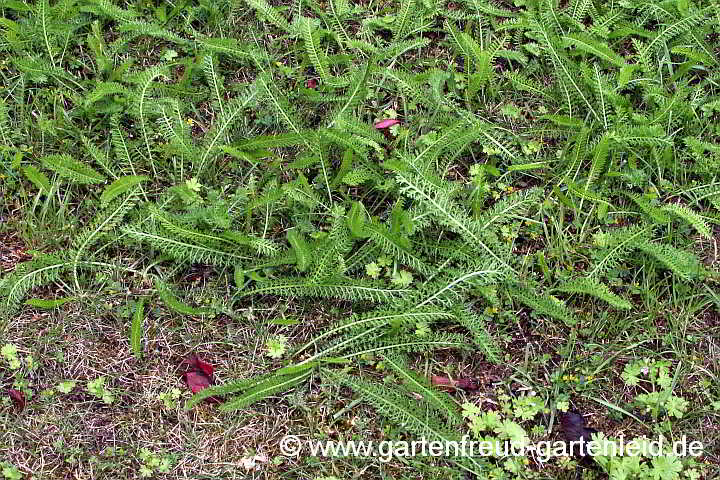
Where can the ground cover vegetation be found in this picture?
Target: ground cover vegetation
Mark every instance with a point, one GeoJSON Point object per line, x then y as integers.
{"type": "Point", "coordinates": [313, 213]}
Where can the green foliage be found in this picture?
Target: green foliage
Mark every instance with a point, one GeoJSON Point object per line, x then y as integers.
{"type": "Point", "coordinates": [42, 270]}
{"type": "Point", "coordinates": [120, 186]}
{"type": "Point", "coordinates": [39, 179]}
{"type": "Point", "coordinates": [542, 154]}
{"type": "Point", "coordinates": [545, 305]}
{"type": "Point", "coordinates": [48, 304]}
{"type": "Point", "coordinates": [439, 401]}
{"type": "Point", "coordinates": [263, 389]}
{"type": "Point", "coordinates": [173, 303]}
{"type": "Point", "coordinates": [65, 166]}
{"type": "Point", "coordinates": [303, 253]}
{"type": "Point", "coordinates": [137, 329]}
{"type": "Point", "coordinates": [183, 250]}
{"type": "Point", "coordinates": [226, 389]}
{"type": "Point", "coordinates": [98, 389]}
{"type": "Point", "coordinates": [590, 286]}
{"type": "Point", "coordinates": [398, 407]}
{"type": "Point", "coordinates": [690, 217]}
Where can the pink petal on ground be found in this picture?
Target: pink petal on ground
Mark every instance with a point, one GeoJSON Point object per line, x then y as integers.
{"type": "Point", "coordinates": [386, 123]}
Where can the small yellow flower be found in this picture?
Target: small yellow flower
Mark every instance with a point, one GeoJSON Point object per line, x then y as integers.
{"type": "Point", "coordinates": [190, 121]}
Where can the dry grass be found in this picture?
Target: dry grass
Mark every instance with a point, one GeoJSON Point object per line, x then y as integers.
{"type": "Point", "coordinates": [76, 436]}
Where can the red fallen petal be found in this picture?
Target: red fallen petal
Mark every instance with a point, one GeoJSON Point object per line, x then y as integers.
{"type": "Point", "coordinates": [386, 123]}
{"type": "Point", "coordinates": [205, 367]}
{"type": "Point", "coordinates": [196, 381]}
{"type": "Point", "coordinates": [311, 83]}
{"type": "Point", "coordinates": [467, 384]}
{"type": "Point", "coordinates": [199, 365]}
{"type": "Point", "coordinates": [191, 361]}
{"type": "Point", "coordinates": [18, 398]}
{"type": "Point", "coordinates": [440, 381]}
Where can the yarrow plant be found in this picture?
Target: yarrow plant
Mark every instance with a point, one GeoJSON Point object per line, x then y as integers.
{"type": "Point", "coordinates": [440, 172]}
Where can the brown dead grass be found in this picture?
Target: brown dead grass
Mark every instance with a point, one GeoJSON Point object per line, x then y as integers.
{"type": "Point", "coordinates": [77, 436]}
{"type": "Point", "coordinates": [12, 252]}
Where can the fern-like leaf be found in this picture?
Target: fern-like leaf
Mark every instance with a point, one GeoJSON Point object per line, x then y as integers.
{"type": "Point", "coordinates": [545, 305]}
{"type": "Point", "coordinates": [119, 187]}
{"type": "Point", "coordinates": [39, 179]}
{"type": "Point", "coordinates": [440, 401]}
{"type": "Point", "coordinates": [690, 217]}
{"type": "Point", "coordinates": [264, 389]}
{"type": "Point", "coordinates": [590, 286]}
{"type": "Point", "coordinates": [594, 47]}
{"type": "Point", "coordinates": [174, 303]}
{"type": "Point", "coordinates": [396, 406]}
{"type": "Point", "coordinates": [67, 167]}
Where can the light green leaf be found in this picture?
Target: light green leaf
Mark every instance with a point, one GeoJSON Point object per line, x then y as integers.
{"type": "Point", "coordinates": [67, 167]}
{"type": "Point", "coordinates": [120, 186]}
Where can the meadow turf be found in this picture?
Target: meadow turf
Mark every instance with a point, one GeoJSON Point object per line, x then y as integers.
{"type": "Point", "coordinates": [379, 220]}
